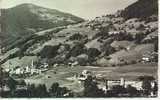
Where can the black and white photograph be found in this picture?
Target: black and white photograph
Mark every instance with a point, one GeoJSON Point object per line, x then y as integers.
{"type": "Point", "coordinates": [78, 49]}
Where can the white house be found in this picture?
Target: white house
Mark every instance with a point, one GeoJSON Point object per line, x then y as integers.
{"type": "Point", "coordinates": [18, 71]}
{"type": "Point", "coordinates": [123, 82]}
{"type": "Point", "coordinates": [34, 71]}
{"type": "Point", "coordinates": [136, 84]}
{"type": "Point", "coordinates": [146, 59]}
{"type": "Point", "coordinates": [28, 70]}
{"type": "Point", "coordinates": [113, 32]}
{"type": "Point", "coordinates": [74, 64]}
{"type": "Point", "coordinates": [45, 65]}
{"type": "Point", "coordinates": [55, 65]}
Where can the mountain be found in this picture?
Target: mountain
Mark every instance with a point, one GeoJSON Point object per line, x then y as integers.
{"type": "Point", "coordinates": [109, 40]}
{"type": "Point", "coordinates": [26, 19]}
{"type": "Point", "coordinates": [141, 9]}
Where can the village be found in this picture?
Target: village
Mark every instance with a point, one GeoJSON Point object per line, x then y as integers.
{"type": "Point", "coordinates": [32, 69]}
{"type": "Point", "coordinates": [105, 84]}
{"type": "Point", "coordinates": [47, 53]}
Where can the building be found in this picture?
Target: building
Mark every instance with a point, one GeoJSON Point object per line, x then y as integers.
{"type": "Point", "coordinates": [124, 83]}
{"type": "Point", "coordinates": [83, 76]}
{"type": "Point", "coordinates": [113, 32]}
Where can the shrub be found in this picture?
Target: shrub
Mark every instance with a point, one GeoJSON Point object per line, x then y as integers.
{"type": "Point", "coordinates": [76, 36]}
{"type": "Point", "coordinates": [76, 50]}
{"type": "Point", "coordinates": [93, 52]}
{"type": "Point", "coordinates": [49, 51]}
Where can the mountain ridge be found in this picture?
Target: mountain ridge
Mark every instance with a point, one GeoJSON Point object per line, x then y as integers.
{"type": "Point", "coordinates": [114, 40]}
{"type": "Point", "coordinates": [27, 19]}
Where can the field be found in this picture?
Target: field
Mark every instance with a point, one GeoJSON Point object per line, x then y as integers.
{"type": "Point", "coordinates": [61, 74]}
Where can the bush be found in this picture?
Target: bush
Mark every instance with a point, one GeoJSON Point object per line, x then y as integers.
{"type": "Point", "coordinates": [91, 89]}
{"type": "Point", "coordinates": [93, 52]}
{"type": "Point", "coordinates": [108, 49]}
{"type": "Point", "coordinates": [76, 50]}
{"type": "Point", "coordinates": [76, 36]}
{"type": "Point", "coordinates": [132, 91]}
{"type": "Point", "coordinates": [133, 62]}
{"type": "Point", "coordinates": [56, 91]}
{"type": "Point", "coordinates": [116, 91]}
{"type": "Point", "coordinates": [139, 37]}
{"type": "Point", "coordinates": [49, 51]}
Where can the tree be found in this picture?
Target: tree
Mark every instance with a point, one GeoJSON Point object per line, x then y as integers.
{"type": "Point", "coordinates": [22, 82]}
{"type": "Point", "coordinates": [12, 85]}
{"type": "Point", "coordinates": [141, 27]}
{"type": "Point", "coordinates": [132, 91]}
{"type": "Point", "coordinates": [21, 93]}
{"type": "Point", "coordinates": [49, 51]}
{"type": "Point", "coordinates": [56, 91]}
{"type": "Point", "coordinates": [116, 91]}
{"type": "Point", "coordinates": [155, 88]}
{"type": "Point", "coordinates": [32, 90]}
{"type": "Point", "coordinates": [1, 76]}
{"type": "Point", "coordinates": [93, 52]}
{"type": "Point", "coordinates": [156, 45]}
{"type": "Point", "coordinates": [78, 49]}
{"type": "Point", "coordinates": [139, 37]}
{"type": "Point", "coordinates": [76, 36]}
{"type": "Point", "coordinates": [91, 89]}
{"type": "Point", "coordinates": [146, 85]}
{"type": "Point", "coordinates": [41, 91]}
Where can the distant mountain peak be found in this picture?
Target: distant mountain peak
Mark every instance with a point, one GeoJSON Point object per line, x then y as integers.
{"type": "Point", "coordinates": [30, 16]}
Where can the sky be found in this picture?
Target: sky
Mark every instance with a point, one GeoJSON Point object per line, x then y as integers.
{"type": "Point", "coordinates": [87, 9]}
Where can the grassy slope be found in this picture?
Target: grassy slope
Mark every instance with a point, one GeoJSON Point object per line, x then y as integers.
{"type": "Point", "coordinates": [21, 21]}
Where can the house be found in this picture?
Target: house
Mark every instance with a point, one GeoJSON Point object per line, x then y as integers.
{"type": "Point", "coordinates": [136, 84]}
{"type": "Point", "coordinates": [45, 65]}
{"type": "Point", "coordinates": [55, 65]}
{"type": "Point", "coordinates": [145, 59]}
{"type": "Point", "coordinates": [86, 73]}
{"type": "Point", "coordinates": [18, 71]}
{"type": "Point", "coordinates": [34, 71]}
{"type": "Point", "coordinates": [5, 88]}
{"type": "Point", "coordinates": [123, 82]}
{"type": "Point", "coordinates": [113, 33]}
{"type": "Point", "coordinates": [149, 57]}
{"type": "Point", "coordinates": [83, 76]}
{"type": "Point", "coordinates": [7, 69]}
{"type": "Point", "coordinates": [27, 69]}
{"type": "Point", "coordinates": [74, 64]}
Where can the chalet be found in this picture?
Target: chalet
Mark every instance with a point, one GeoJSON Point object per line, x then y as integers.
{"type": "Point", "coordinates": [55, 65]}
{"type": "Point", "coordinates": [136, 84]}
{"type": "Point", "coordinates": [113, 33]}
{"type": "Point", "coordinates": [150, 57]}
{"type": "Point", "coordinates": [83, 76]}
{"type": "Point", "coordinates": [4, 88]}
{"type": "Point", "coordinates": [45, 65]}
{"type": "Point", "coordinates": [145, 59]}
{"type": "Point", "coordinates": [74, 64]}
{"type": "Point", "coordinates": [27, 69]}
{"type": "Point", "coordinates": [18, 71]}
{"type": "Point", "coordinates": [7, 69]}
